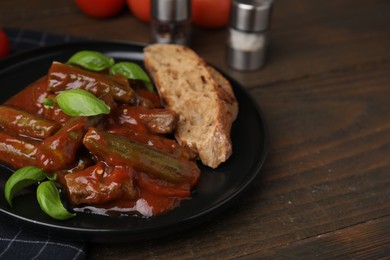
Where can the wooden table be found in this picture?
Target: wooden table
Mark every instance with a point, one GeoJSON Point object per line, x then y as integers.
{"type": "Point", "coordinates": [324, 190]}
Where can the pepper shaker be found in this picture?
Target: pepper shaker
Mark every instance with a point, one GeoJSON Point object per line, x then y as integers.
{"type": "Point", "coordinates": [171, 21]}
{"type": "Point", "coordinates": [248, 33]}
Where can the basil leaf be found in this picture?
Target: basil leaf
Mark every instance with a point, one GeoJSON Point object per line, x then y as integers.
{"type": "Point", "coordinates": [50, 202]}
{"type": "Point", "coordinates": [132, 71]}
{"type": "Point", "coordinates": [91, 60]}
{"type": "Point", "coordinates": [78, 102]}
{"type": "Point", "coordinates": [21, 179]}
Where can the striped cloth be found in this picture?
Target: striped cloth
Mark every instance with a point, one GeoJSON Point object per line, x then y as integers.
{"type": "Point", "coordinates": [15, 241]}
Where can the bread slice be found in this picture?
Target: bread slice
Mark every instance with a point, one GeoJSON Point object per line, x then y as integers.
{"type": "Point", "coordinates": [200, 95]}
{"type": "Point", "coordinates": [225, 92]}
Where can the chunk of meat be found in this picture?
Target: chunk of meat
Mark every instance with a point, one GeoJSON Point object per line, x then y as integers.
{"type": "Point", "coordinates": [100, 184]}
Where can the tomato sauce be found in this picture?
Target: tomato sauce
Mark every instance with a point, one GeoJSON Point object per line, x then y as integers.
{"type": "Point", "coordinates": [128, 173]}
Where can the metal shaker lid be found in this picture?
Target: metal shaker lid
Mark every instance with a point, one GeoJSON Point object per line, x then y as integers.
{"type": "Point", "coordinates": [250, 15]}
{"type": "Point", "coordinates": [171, 10]}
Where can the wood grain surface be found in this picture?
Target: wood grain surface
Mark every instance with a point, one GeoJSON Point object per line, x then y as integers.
{"type": "Point", "coordinates": [325, 91]}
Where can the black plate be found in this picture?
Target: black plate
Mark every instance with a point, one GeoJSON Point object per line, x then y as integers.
{"type": "Point", "coordinates": [216, 190]}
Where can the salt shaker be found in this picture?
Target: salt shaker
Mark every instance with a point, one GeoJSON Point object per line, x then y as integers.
{"type": "Point", "coordinates": [171, 21]}
{"type": "Point", "coordinates": [248, 33]}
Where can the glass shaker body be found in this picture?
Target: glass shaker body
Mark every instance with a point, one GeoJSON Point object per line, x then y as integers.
{"type": "Point", "coordinates": [246, 50]}
{"type": "Point", "coordinates": [171, 21]}
{"type": "Point", "coordinates": [177, 32]}
{"type": "Point", "coordinates": [248, 34]}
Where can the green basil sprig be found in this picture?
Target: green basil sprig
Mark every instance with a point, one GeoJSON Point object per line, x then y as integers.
{"type": "Point", "coordinates": [91, 60]}
{"type": "Point", "coordinates": [97, 61]}
{"type": "Point", "coordinates": [21, 179]}
{"type": "Point", "coordinates": [49, 200]}
{"type": "Point", "coordinates": [132, 71]}
{"type": "Point", "coordinates": [48, 195]}
{"type": "Point", "coordinates": [78, 102]}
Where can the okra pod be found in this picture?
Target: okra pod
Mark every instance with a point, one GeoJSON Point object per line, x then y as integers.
{"type": "Point", "coordinates": [26, 124]}
{"type": "Point", "coordinates": [17, 153]}
{"type": "Point", "coordinates": [64, 77]}
{"type": "Point", "coordinates": [54, 112]}
{"type": "Point", "coordinates": [29, 99]}
{"type": "Point", "coordinates": [58, 152]}
{"type": "Point", "coordinates": [117, 150]}
{"type": "Point", "coordinates": [158, 142]}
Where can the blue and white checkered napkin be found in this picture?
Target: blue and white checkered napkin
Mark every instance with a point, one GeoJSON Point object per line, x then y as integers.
{"type": "Point", "coordinates": [15, 241]}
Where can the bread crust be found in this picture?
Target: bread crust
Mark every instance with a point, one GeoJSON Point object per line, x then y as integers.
{"type": "Point", "coordinates": [200, 95]}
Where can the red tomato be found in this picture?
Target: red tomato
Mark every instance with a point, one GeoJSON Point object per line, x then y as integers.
{"type": "Point", "coordinates": [210, 13]}
{"type": "Point", "coordinates": [101, 8]}
{"type": "Point", "coordinates": [140, 9]}
{"type": "Point", "coordinates": [5, 47]}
